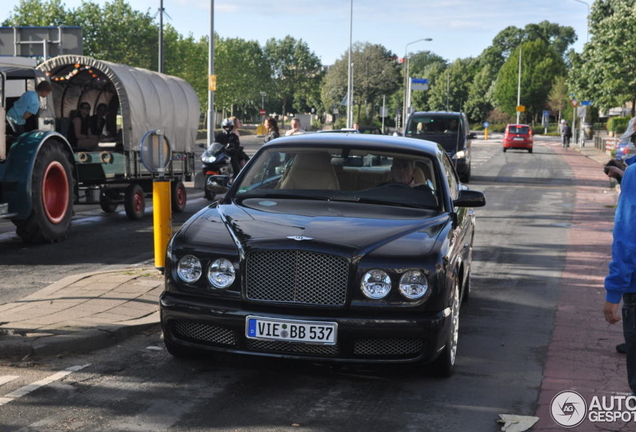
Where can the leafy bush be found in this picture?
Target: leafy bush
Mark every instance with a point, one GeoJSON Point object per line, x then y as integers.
{"type": "Point", "coordinates": [618, 124]}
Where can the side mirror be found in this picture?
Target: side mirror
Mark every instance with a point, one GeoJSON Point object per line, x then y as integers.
{"type": "Point", "coordinates": [470, 198]}
{"type": "Point", "coordinates": [472, 135]}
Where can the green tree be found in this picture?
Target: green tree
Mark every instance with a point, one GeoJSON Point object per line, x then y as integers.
{"type": "Point", "coordinates": [604, 72]}
{"type": "Point", "coordinates": [242, 72]}
{"type": "Point", "coordinates": [375, 73]}
{"type": "Point", "coordinates": [479, 103]}
{"type": "Point", "coordinates": [450, 90]}
{"type": "Point", "coordinates": [38, 13]}
{"type": "Point", "coordinates": [559, 96]}
{"type": "Point", "coordinates": [296, 74]}
{"type": "Point", "coordinates": [540, 64]}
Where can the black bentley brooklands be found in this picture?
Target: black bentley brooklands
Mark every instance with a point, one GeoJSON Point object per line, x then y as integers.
{"type": "Point", "coordinates": [329, 247]}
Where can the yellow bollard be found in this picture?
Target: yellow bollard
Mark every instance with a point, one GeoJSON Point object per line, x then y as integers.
{"type": "Point", "coordinates": [162, 220]}
{"type": "Point", "coordinates": [486, 133]}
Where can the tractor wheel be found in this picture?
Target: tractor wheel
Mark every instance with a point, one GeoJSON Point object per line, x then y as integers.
{"type": "Point", "coordinates": [178, 196]}
{"type": "Point", "coordinates": [52, 196]}
{"type": "Point", "coordinates": [135, 202]}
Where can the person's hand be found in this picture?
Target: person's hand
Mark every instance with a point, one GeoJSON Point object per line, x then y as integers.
{"type": "Point", "coordinates": [610, 310]}
{"type": "Point", "coordinates": [614, 172]}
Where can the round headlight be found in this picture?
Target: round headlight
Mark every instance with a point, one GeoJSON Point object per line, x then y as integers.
{"type": "Point", "coordinates": [189, 269]}
{"type": "Point", "coordinates": [375, 284]}
{"type": "Point", "coordinates": [413, 284]}
{"type": "Point", "coordinates": [221, 273]}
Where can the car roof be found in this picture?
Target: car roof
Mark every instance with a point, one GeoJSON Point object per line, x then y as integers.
{"type": "Point", "coordinates": [357, 140]}
{"type": "Point", "coordinates": [448, 113]}
{"type": "Point", "coordinates": [517, 124]}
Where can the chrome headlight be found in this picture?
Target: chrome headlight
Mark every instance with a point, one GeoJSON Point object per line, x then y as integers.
{"type": "Point", "coordinates": [208, 159]}
{"type": "Point", "coordinates": [460, 154]}
{"type": "Point", "coordinates": [221, 273]}
{"type": "Point", "coordinates": [189, 269]}
{"type": "Point", "coordinates": [375, 284]}
{"type": "Point", "coordinates": [413, 284]}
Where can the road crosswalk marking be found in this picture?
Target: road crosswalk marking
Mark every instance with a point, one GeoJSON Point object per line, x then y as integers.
{"type": "Point", "coordinates": [36, 385]}
{"type": "Point", "coordinates": [7, 378]}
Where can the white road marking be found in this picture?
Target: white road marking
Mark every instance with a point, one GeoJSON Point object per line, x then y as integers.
{"type": "Point", "coordinates": [36, 385]}
{"type": "Point", "coordinates": [6, 378]}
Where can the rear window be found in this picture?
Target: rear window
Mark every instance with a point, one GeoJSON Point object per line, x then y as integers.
{"type": "Point", "coordinates": [523, 130]}
{"type": "Point", "coordinates": [433, 125]}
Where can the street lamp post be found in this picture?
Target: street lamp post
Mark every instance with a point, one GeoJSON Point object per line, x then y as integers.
{"type": "Point", "coordinates": [211, 74]}
{"type": "Point", "coordinates": [407, 80]}
{"type": "Point", "coordinates": [350, 73]}
{"type": "Point", "coordinates": [262, 100]}
{"type": "Point", "coordinates": [587, 32]}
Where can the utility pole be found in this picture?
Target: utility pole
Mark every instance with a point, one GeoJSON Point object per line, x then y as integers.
{"type": "Point", "coordinates": [161, 10]}
{"type": "Point", "coordinates": [350, 81]}
{"type": "Point", "coordinates": [519, 88]}
{"type": "Point", "coordinates": [211, 74]}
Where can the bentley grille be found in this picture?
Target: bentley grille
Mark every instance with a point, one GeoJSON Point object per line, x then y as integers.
{"type": "Point", "coordinates": [203, 333]}
{"type": "Point", "coordinates": [300, 277]}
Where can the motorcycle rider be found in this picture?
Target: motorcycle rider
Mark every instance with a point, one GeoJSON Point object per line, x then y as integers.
{"type": "Point", "coordinates": [232, 143]}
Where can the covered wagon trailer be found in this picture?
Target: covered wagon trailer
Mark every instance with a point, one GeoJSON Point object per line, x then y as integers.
{"type": "Point", "coordinates": [137, 101]}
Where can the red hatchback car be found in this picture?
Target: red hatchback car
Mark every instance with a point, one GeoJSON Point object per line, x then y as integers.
{"type": "Point", "coordinates": [518, 136]}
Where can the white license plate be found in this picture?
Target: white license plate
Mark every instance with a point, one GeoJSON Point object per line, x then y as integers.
{"type": "Point", "coordinates": [315, 332]}
{"type": "Point", "coordinates": [517, 139]}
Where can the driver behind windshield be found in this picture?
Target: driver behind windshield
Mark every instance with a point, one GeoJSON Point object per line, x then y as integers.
{"type": "Point", "coordinates": [402, 171]}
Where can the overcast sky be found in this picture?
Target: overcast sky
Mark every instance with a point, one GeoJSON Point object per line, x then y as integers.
{"type": "Point", "coordinates": [459, 28]}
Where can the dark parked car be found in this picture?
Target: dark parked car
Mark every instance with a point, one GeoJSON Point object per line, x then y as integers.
{"type": "Point", "coordinates": [450, 130]}
{"type": "Point", "coordinates": [327, 247]}
{"type": "Point", "coordinates": [518, 136]}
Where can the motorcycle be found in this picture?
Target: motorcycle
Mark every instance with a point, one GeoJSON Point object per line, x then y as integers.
{"type": "Point", "coordinates": [217, 170]}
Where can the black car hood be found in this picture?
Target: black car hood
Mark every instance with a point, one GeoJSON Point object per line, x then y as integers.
{"type": "Point", "coordinates": [344, 228]}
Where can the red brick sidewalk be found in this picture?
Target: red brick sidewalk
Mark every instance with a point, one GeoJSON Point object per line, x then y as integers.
{"type": "Point", "coordinates": [582, 355]}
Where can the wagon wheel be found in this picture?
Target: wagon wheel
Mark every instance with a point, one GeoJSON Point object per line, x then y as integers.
{"type": "Point", "coordinates": [134, 202]}
{"type": "Point", "coordinates": [178, 196]}
{"type": "Point", "coordinates": [106, 203]}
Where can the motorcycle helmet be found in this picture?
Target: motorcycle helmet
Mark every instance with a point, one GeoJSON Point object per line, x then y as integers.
{"type": "Point", "coordinates": [227, 124]}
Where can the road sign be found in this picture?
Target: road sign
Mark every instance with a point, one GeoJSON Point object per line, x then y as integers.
{"type": "Point", "coordinates": [486, 124]}
{"type": "Point", "coordinates": [546, 113]}
{"type": "Point", "coordinates": [419, 84]}
{"type": "Point", "coordinates": [581, 111]}
{"type": "Point", "coordinates": [384, 112]}
{"type": "Point", "coordinates": [521, 108]}
{"type": "Point", "coordinates": [574, 102]}
{"type": "Point", "coordinates": [586, 103]}
{"type": "Point", "coordinates": [212, 82]}
{"type": "Point", "coordinates": [262, 112]}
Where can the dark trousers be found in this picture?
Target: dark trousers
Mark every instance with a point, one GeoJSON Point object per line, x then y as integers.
{"type": "Point", "coordinates": [629, 331]}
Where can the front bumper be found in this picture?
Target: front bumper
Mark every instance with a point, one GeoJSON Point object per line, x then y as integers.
{"type": "Point", "coordinates": [362, 338]}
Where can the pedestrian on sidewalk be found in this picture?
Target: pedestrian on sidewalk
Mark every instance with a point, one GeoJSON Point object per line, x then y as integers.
{"type": "Point", "coordinates": [621, 280]}
{"type": "Point", "coordinates": [272, 129]}
{"type": "Point", "coordinates": [566, 133]}
{"type": "Point", "coordinates": [295, 128]}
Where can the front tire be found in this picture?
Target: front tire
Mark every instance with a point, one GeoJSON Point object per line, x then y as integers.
{"type": "Point", "coordinates": [52, 195]}
{"type": "Point", "coordinates": [444, 365]}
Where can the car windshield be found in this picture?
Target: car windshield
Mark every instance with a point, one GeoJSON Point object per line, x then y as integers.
{"type": "Point", "coordinates": [432, 125]}
{"type": "Point", "coordinates": [523, 130]}
{"type": "Point", "coordinates": [342, 174]}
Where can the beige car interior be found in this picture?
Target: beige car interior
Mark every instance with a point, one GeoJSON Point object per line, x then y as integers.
{"type": "Point", "coordinates": [310, 171]}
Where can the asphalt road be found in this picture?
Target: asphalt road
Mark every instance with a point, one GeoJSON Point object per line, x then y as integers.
{"type": "Point", "coordinates": [505, 328]}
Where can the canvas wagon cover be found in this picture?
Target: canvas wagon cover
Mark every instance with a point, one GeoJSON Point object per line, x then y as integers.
{"type": "Point", "coordinates": [148, 100]}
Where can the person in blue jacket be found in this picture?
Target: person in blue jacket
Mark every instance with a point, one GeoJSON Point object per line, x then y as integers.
{"type": "Point", "coordinates": [28, 105]}
{"type": "Point", "coordinates": [620, 283]}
